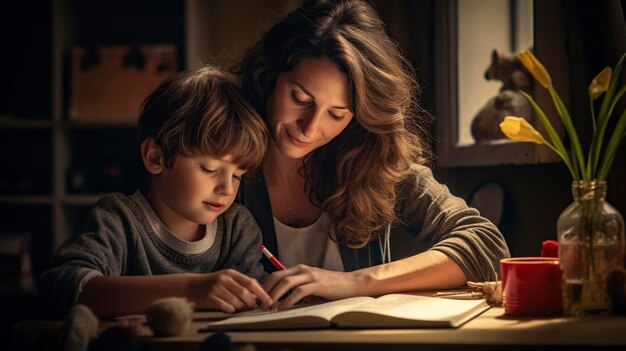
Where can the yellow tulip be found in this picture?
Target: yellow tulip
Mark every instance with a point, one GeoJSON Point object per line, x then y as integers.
{"type": "Point", "coordinates": [535, 68]}
{"type": "Point", "coordinates": [600, 83]}
{"type": "Point", "coordinates": [518, 129]}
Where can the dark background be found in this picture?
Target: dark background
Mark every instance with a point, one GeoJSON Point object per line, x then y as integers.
{"type": "Point", "coordinates": [41, 150]}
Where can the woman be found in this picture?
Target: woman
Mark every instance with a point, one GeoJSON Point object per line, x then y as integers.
{"type": "Point", "coordinates": [342, 186]}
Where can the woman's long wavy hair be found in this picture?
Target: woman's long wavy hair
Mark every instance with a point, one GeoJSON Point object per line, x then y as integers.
{"type": "Point", "coordinates": [353, 177]}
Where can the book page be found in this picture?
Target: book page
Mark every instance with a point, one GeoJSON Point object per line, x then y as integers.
{"type": "Point", "coordinates": [308, 316]}
{"type": "Point", "coordinates": [419, 307]}
{"type": "Point", "coordinates": [407, 310]}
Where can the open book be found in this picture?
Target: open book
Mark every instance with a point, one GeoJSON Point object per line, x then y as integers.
{"type": "Point", "coordinates": [388, 311]}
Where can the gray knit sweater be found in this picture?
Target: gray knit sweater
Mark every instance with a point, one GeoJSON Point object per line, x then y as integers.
{"type": "Point", "coordinates": [123, 236]}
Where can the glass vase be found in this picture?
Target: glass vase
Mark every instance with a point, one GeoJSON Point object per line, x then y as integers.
{"type": "Point", "coordinates": [591, 245]}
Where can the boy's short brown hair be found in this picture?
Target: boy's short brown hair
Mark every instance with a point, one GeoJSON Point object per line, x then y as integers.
{"type": "Point", "coordinates": [202, 113]}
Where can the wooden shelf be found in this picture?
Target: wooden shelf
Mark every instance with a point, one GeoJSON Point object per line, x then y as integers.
{"type": "Point", "coordinates": [99, 125]}
{"type": "Point", "coordinates": [26, 200]}
{"type": "Point", "coordinates": [81, 199]}
{"type": "Point", "coordinates": [14, 122]}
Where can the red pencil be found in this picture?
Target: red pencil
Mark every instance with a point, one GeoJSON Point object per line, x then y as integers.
{"type": "Point", "coordinates": [272, 259]}
{"type": "Point", "coordinates": [279, 265]}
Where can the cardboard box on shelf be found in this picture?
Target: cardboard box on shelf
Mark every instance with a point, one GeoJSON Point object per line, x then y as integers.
{"type": "Point", "coordinates": [109, 83]}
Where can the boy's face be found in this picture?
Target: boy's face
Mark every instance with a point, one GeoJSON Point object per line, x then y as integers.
{"type": "Point", "coordinates": [195, 190]}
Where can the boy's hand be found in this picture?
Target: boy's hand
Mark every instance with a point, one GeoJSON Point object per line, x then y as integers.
{"type": "Point", "coordinates": [228, 291]}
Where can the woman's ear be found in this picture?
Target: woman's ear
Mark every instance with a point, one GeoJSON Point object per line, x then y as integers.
{"type": "Point", "coordinates": [152, 156]}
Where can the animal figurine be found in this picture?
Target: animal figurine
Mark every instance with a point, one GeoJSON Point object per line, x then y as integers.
{"type": "Point", "coordinates": [486, 124]}
{"type": "Point", "coordinates": [507, 68]}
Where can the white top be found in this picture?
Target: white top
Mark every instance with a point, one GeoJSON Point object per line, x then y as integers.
{"type": "Point", "coordinates": [309, 245]}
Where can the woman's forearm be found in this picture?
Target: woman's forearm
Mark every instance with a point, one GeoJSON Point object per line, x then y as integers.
{"type": "Point", "coordinates": [111, 296]}
{"type": "Point", "coordinates": [428, 270]}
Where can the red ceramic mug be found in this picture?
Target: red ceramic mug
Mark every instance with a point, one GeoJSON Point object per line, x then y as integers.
{"type": "Point", "coordinates": [531, 286]}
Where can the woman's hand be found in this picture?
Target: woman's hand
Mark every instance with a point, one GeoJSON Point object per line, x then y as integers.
{"type": "Point", "coordinates": [303, 280]}
{"type": "Point", "coordinates": [228, 291]}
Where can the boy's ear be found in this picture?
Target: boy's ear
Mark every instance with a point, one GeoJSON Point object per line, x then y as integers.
{"type": "Point", "coordinates": [152, 156]}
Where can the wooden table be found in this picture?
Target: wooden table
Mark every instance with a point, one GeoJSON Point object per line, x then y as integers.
{"type": "Point", "coordinates": [490, 331]}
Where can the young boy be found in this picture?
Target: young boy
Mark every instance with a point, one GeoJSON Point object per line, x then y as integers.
{"type": "Point", "coordinates": [180, 236]}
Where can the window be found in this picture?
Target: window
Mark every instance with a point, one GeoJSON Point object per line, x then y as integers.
{"type": "Point", "coordinates": [475, 39]}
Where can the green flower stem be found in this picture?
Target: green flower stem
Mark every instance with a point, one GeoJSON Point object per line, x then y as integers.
{"type": "Point", "coordinates": [577, 157]}
{"type": "Point", "coordinates": [608, 103]}
{"type": "Point", "coordinates": [590, 161]}
{"type": "Point", "coordinates": [589, 225]}
{"type": "Point", "coordinates": [611, 148]}
{"type": "Point", "coordinates": [554, 136]}
{"type": "Point", "coordinates": [563, 157]}
{"type": "Point", "coordinates": [575, 165]}
{"type": "Point", "coordinates": [593, 121]}
{"type": "Point", "coordinates": [618, 96]}
{"type": "Point", "coordinates": [611, 89]}
{"type": "Point", "coordinates": [596, 145]}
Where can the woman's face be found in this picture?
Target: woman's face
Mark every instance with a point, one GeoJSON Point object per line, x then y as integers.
{"type": "Point", "coordinates": [310, 105]}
